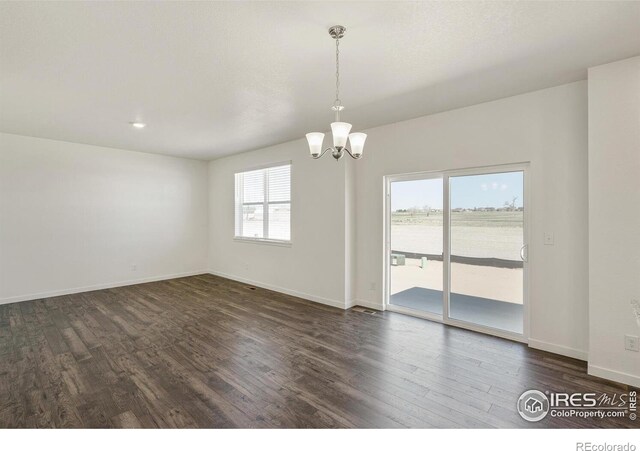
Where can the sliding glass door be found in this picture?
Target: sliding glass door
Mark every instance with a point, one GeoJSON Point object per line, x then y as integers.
{"type": "Point", "coordinates": [416, 237]}
{"type": "Point", "coordinates": [456, 247]}
{"type": "Point", "coordinates": [487, 246]}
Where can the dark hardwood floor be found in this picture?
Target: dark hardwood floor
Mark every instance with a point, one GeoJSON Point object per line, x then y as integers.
{"type": "Point", "coordinates": [209, 352]}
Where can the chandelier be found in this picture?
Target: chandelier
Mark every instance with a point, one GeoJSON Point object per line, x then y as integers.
{"type": "Point", "coordinates": [339, 130]}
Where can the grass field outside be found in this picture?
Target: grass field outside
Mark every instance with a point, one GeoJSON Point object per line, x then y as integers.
{"type": "Point", "coordinates": [482, 234]}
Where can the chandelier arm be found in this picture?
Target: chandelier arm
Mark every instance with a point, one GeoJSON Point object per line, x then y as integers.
{"type": "Point", "coordinates": [323, 152]}
{"type": "Point", "coordinates": [355, 157]}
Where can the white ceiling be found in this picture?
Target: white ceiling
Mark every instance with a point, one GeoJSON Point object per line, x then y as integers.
{"type": "Point", "coordinates": [216, 78]}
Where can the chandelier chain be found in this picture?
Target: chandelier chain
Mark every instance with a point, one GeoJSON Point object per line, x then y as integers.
{"type": "Point", "coordinates": [337, 101]}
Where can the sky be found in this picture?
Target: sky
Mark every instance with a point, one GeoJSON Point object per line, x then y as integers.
{"type": "Point", "coordinates": [490, 190]}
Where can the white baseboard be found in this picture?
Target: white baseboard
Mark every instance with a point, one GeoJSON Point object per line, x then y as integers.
{"type": "Point", "coordinates": [612, 375]}
{"type": "Point", "coordinates": [103, 286]}
{"type": "Point", "coordinates": [365, 304]}
{"type": "Point", "coordinates": [558, 349]}
{"type": "Point", "coordinates": [299, 294]}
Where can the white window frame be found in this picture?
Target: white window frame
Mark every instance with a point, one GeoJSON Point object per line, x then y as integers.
{"type": "Point", "coordinates": [238, 220]}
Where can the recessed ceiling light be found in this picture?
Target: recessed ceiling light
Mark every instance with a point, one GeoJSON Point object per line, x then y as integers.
{"type": "Point", "coordinates": [138, 124]}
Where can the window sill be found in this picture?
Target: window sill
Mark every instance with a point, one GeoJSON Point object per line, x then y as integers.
{"type": "Point", "coordinates": [262, 241]}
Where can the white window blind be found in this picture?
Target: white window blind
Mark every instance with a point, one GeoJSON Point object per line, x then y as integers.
{"type": "Point", "coordinates": [263, 204]}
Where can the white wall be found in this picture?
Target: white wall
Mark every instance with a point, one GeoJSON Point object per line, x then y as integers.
{"type": "Point", "coordinates": [547, 128]}
{"type": "Point", "coordinates": [337, 250]}
{"type": "Point", "coordinates": [75, 217]}
{"type": "Point", "coordinates": [614, 218]}
{"type": "Point", "coordinates": [314, 266]}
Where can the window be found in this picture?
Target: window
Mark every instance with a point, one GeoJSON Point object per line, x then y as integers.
{"type": "Point", "coordinates": [263, 204]}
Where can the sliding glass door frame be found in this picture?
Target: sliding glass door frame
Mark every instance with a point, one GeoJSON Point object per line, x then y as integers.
{"type": "Point", "coordinates": [445, 176]}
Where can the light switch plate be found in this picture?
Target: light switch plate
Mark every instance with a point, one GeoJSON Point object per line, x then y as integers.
{"type": "Point", "coordinates": [631, 343]}
{"type": "Point", "coordinates": [548, 239]}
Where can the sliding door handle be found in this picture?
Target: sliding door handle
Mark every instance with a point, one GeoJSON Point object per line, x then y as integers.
{"type": "Point", "coordinates": [523, 253]}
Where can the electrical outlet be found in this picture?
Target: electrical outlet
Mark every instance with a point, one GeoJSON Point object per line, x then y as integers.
{"type": "Point", "coordinates": [372, 286]}
{"type": "Point", "coordinates": [548, 238]}
{"type": "Point", "coordinates": [631, 343]}
{"type": "Point", "coordinates": [134, 267]}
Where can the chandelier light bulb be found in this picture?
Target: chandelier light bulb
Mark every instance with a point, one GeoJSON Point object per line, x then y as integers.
{"type": "Point", "coordinates": [357, 143]}
{"type": "Point", "coordinates": [340, 131]}
{"type": "Point", "coordinates": [315, 143]}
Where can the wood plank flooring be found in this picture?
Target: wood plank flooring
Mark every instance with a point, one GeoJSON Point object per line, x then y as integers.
{"type": "Point", "coordinates": [208, 352]}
